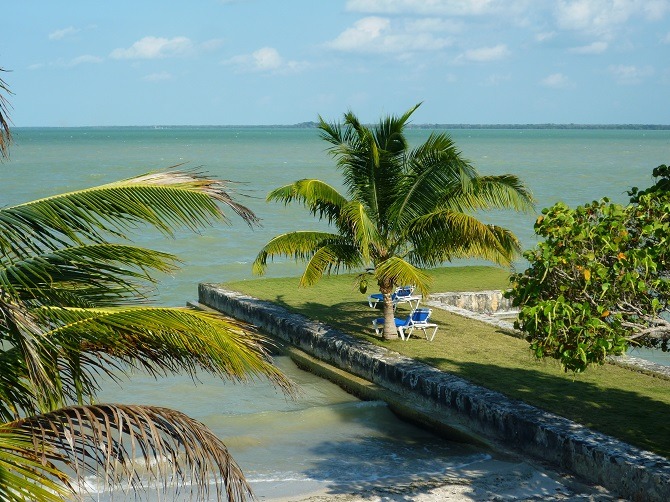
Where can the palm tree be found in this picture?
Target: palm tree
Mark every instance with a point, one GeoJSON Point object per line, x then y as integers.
{"type": "Point", "coordinates": [404, 209]}
{"type": "Point", "coordinates": [71, 308]}
{"type": "Point", "coordinates": [69, 311]}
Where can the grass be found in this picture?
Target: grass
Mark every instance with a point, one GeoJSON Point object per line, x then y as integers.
{"type": "Point", "coordinates": [625, 404]}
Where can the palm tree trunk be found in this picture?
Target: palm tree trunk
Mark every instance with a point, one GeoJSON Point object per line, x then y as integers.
{"type": "Point", "coordinates": [390, 332]}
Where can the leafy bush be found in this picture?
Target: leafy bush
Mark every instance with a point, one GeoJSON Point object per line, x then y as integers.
{"type": "Point", "coordinates": [598, 283]}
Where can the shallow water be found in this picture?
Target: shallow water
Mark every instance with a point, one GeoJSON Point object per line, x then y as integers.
{"type": "Point", "coordinates": [324, 438]}
{"type": "Point", "coordinates": [324, 441]}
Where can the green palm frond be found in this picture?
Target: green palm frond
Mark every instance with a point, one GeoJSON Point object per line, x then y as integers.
{"type": "Point", "coordinates": [444, 235]}
{"type": "Point", "coordinates": [61, 362]}
{"type": "Point", "coordinates": [23, 346]}
{"type": "Point", "coordinates": [395, 270]}
{"type": "Point", "coordinates": [371, 161]}
{"type": "Point", "coordinates": [434, 171]}
{"type": "Point", "coordinates": [165, 200]}
{"type": "Point", "coordinates": [491, 192]}
{"type": "Point", "coordinates": [159, 340]}
{"type": "Point", "coordinates": [324, 259]}
{"type": "Point", "coordinates": [297, 245]}
{"type": "Point", "coordinates": [389, 134]}
{"type": "Point", "coordinates": [16, 392]}
{"type": "Point", "coordinates": [86, 275]}
{"type": "Point", "coordinates": [142, 445]}
{"type": "Point", "coordinates": [355, 221]}
{"type": "Point", "coordinates": [505, 191]}
{"type": "Point", "coordinates": [23, 474]}
{"type": "Point", "coordinates": [330, 258]}
{"type": "Point", "coordinates": [321, 199]}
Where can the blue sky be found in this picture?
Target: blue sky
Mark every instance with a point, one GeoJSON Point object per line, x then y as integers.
{"type": "Point", "coordinates": [243, 62]}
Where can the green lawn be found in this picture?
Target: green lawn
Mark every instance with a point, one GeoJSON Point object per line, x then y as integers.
{"type": "Point", "coordinates": [628, 405]}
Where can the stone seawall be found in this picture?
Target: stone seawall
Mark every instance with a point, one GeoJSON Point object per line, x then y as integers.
{"type": "Point", "coordinates": [469, 409]}
{"type": "Point", "coordinates": [483, 302]}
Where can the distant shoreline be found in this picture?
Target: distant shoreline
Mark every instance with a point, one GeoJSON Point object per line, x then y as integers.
{"type": "Point", "coordinates": [313, 125]}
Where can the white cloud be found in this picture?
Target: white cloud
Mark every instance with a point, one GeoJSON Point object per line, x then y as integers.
{"type": "Point", "coordinates": [85, 59]}
{"type": "Point", "coordinates": [666, 38]}
{"type": "Point", "coordinates": [154, 48]}
{"type": "Point", "coordinates": [630, 74]}
{"type": "Point", "coordinates": [544, 36]}
{"type": "Point", "coordinates": [556, 81]}
{"type": "Point", "coordinates": [603, 17]}
{"type": "Point", "coordinates": [364, 32]}
{"type": "Point", "coordinates": [485, 54]}
{"type": "Point", "coordinates": [213, 44]}
{"type": "Point", "coordinates": [157, 77]}
{"type": "Point", "coordinates": [435, 24]}
{"type": "Point", "coordinates": [378, 35]}
{"type": "Point", "coordinates": [60, 63]}
{"type": "Point", "coordinates": [594, 48]}
{"type": "Point", "coordinates": [494, 80]}
{"type": "Point", "coordinates": [265, 59]}
{"type": "Point", "coordinates": [431, 7]}
{"type": "Point", "coordinates": [65, 32]}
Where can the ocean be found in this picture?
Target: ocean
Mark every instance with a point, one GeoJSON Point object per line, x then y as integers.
{"type": "Point", "coordinates": [288, 448]}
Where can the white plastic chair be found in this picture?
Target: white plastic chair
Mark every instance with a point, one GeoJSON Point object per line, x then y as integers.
{"type": "Point", "coordinates": [401, 294]}
{"type": "Point", "coordinates": [417, 319]}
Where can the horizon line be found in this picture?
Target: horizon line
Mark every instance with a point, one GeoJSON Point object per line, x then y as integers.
{"type": "Point", "coordinates": [312, 124]}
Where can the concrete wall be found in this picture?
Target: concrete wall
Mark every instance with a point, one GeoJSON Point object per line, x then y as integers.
{"type": "Point", "coordinates": [468, 408]}
{"type": "Point", "coordinates": [483, 302]}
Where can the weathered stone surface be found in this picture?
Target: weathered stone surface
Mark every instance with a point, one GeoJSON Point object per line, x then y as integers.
{"type": "Point", "coordinates": [629, 471]}
{"type": "Point", "coordinates": [484, 302]}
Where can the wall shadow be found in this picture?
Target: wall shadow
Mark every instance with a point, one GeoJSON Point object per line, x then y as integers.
{"type": "Point", "coordinates": [620, 413]}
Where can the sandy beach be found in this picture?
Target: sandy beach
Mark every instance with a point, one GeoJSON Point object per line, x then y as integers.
{"type": "Point", "coordinates": [513, 481]}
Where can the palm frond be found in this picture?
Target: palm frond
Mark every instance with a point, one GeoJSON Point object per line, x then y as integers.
{"type": "Point", "coordinates": [86, 275]}
{"type": "Point", "coordinates": [321, 199]}
{"type": "Point", "coordinates": [159, 340]}
{"type": "Point", "coordinates": [355, 221]}
{"type": "Point", "coordinates": [371, 162]}
{"type": "Point", "coordinates": [434, 171]}
{"type": "Point", "coordinates": [23, 474]}
{"type": "Point", "coordinates": [16, 392]}
{"type": "Point", "coordinates": [330, 258]}
{"type": "Point", "coordinates": [397, 271]}
{"type": "Point", "coordinates": [143, 446]}
{"type": "Point", "coordinates": [24, 345]}
{"type": "Point", "coordinates": [389, 133]}
{"type": "Point", "coordinates": [491, 192]}
{"type": "Point", "coordinates": [63, 363]}
{"type": "Point", "coordinates": [297, 245]}
{"type": "Point", "coordinates": [445, 234]}
{"type": "Point", "coordinates": [165, 200]}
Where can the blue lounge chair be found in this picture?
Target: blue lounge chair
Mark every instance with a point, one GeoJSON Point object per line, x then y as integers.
{"type": "Point", "coordinates": [401, 294]}
{"type": "Point", "coordinates": [417, 319]}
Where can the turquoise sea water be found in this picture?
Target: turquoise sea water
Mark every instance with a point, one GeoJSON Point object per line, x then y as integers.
{"type": "Point", "coordinates": [575, 166]}
{"type": "Point", "coordinates": [286, 447]}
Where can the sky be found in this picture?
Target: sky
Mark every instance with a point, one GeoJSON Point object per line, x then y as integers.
{"type": "Point", "coordinates": [267, 62]}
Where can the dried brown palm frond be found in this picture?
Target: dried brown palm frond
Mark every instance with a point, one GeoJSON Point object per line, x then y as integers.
{"type": "Point", "coordinates": [142, 447]}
